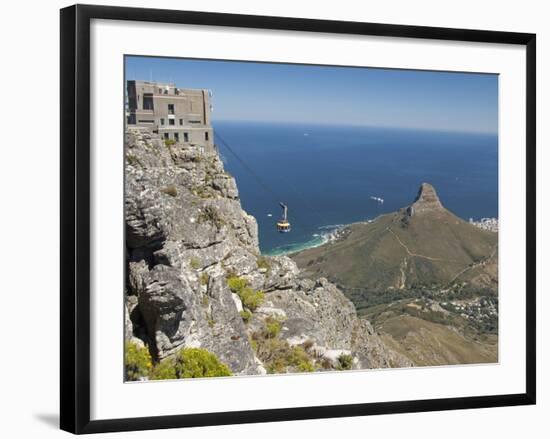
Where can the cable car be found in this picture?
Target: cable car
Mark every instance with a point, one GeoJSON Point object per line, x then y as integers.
{"type": "Point", "coordinates": [283, 226]}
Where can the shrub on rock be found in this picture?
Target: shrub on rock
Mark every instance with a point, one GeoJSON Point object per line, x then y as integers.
{"type": "Point", "coordinates": [137, 361]}
{"type": "Point", "coordinates": [191, 363]}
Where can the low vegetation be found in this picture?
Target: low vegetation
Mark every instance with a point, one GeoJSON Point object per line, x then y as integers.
{"type": "Point", "coordinates": [204, 278]}
{"type": "Point", "coordinates": [246, 315]}
{"type": "Point", "coordinates": [137, 361]}
{"type": "Point", "coordinates": [250, 298]}
{"type": "Point", "coordinates": [211, 215]}
{"type": "Point", "coordinates": [276, 354]}
{"type": "Point", "coordinates": [190, 363]}
{"type": "Point", "coordinates": [195, 263]}
{"type": "Point", "coordinates": [345, 362]}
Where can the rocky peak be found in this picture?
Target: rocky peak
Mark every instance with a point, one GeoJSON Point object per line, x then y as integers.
{"type": "Point", "coordinates": [426, 201]}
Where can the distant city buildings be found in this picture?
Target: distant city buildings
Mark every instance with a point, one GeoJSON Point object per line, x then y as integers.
{"type": "Point", "coordinates": [490, 224]}
{"type": "Point", "coordinates": [181, 115]}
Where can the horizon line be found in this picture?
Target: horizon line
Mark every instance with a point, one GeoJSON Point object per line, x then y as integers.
{"type": "Point", "coordinates": [344, 124]}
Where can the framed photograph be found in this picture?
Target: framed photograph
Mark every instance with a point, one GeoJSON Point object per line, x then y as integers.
{"type": "Point", "coordinates": [285, 218]}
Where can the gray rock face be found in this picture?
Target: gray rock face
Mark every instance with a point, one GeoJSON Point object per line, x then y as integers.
{"type": "Point", "coordinates": [426, 200]}
{"type": "Point", "coordinates": [186, 233]}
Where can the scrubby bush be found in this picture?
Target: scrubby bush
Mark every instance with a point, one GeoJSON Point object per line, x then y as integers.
{"type": "Point", "coordinates": [191, 363]}
{"type": "Point", "coordinates": [137, 361]}
{"type": "Point", "coordinates": [345, 362]}
{"type": "Point", "coordinates": [236, 284]}
{"type": "Point", "coordinates": [251, 299]}
{"type": "Point", "coordinates": [308, 344]}
{"type": "Point", "coordinates": [169, 142]}
{"type": "Point", "coordinates": [245, 315]}
{"type": "Point", "coordinates": [164, 370]}
{"type": "Point", "coordinates": [277, 355]}
{"type": "Point", "coordinates": [204, 278]}
{"type": "Point", "coordinates": [195, 263]}
{"type": "Point", "coordinates": [272, 327]}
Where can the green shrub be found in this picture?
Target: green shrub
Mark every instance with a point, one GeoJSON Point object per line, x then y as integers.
{"type": "Point", "coordinates": [278, 356]}
{"type": "Point", "coordinates": [300, 359]}
{"type": "Point", "coordinates": [165, 370]}
{"type": "Point", "coordinates": [204, 278]}
{"type": "Point", "coordinates": [169, 142]}
{"type": "Point", "coordinates": [191, 363]}
{"type": "Point", "coordinates": [236, 284]}
{"type": "Point", "coordinates": [345, 362]}
{"type": "Point", "coordinates": [137, 361]}
{"type": "Point", "coordinates": [195, 263]}
{"type": "Point", "coordinates": [272, 327]}
{"type": "Point", "coordinates": [246, 315]}
{"type": "Point", "coordinates": [170, 190]}
{"type": "Point", "coordinates": [251, 299]}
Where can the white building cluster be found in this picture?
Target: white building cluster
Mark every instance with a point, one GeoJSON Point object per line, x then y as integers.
{"type": "Point", "coordinates": [490, 224]}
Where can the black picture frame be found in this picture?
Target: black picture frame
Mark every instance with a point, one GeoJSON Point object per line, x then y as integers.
{"type": "Point", "coordinates": [75, 217]}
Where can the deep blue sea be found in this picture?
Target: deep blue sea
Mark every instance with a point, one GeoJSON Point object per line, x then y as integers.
{"type": "Point", "coordinates": [327, 174]}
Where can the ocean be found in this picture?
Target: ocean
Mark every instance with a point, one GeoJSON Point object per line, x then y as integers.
{"type": "Point", "coordinates": [328, 174]}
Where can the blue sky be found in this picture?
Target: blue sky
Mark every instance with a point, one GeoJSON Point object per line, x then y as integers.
{"type": "Point", "coordinates": [251, 91]}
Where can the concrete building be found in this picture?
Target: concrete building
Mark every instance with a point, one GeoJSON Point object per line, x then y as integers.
{"type": "Point", "coordinates": [178, 114]}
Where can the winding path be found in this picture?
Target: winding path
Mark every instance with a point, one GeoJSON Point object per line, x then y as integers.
{"type": "Point", "coordinates": [408, 251]}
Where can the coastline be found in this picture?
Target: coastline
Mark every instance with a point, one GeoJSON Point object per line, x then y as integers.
{"type": "Point", "coordinates": [326, 234]}
{"type": "Point", "coordinates": [332, 232]}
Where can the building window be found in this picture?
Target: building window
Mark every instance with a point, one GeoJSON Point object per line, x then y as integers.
{"type": "Point", "coordinates": [146, 121]}
{"type": "Point", "coordinates": [194, 121]}
{"type": "Point", "coordinates": [170, 108]}
{"type": "Point", "coordinates": [171, 121]}
{"type": "Point", "coordinates": [186, 137]}
{"type": "Point", "coordinates": [181, 121]}
{"type": "Point", "coordinates": [162, 121]}
{"type": "Point", "coordinates": [177, 137]}
{"type": "Point", "coordinates": [206, 136]}
{"type": "Point", "coordinates": [166, 136]}
{"type": "Point", "coordinates": [165, 92]}
{"type": "Point", "coordinates": [160, 90]}
{"type": "Point", "coordinates": [148, 101]}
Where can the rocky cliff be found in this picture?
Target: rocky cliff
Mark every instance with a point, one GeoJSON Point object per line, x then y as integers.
{"type": "Point", "coordinates": [186, 236]}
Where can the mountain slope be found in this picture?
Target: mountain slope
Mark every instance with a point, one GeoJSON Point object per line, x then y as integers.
{"type": "Point", "coordinates": [423, 244]}
{"type": "Point", "coordinates": [196, 278]}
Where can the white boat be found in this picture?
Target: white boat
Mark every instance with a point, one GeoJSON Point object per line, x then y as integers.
{"type": "Point", "coordinates": [377, 199]}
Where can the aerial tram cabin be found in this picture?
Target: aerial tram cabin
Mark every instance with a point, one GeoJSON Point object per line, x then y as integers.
{"type": "Point", "coordinates": [283, 226]}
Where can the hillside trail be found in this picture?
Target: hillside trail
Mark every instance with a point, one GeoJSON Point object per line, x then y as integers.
{"type": "Point", "coordinates": [411, 253]}
{"type": "Point", "coordinates": [477, 264]}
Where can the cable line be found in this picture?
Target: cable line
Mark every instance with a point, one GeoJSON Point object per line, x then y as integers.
{"type": "Point", "coordinates": [258, 179]}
